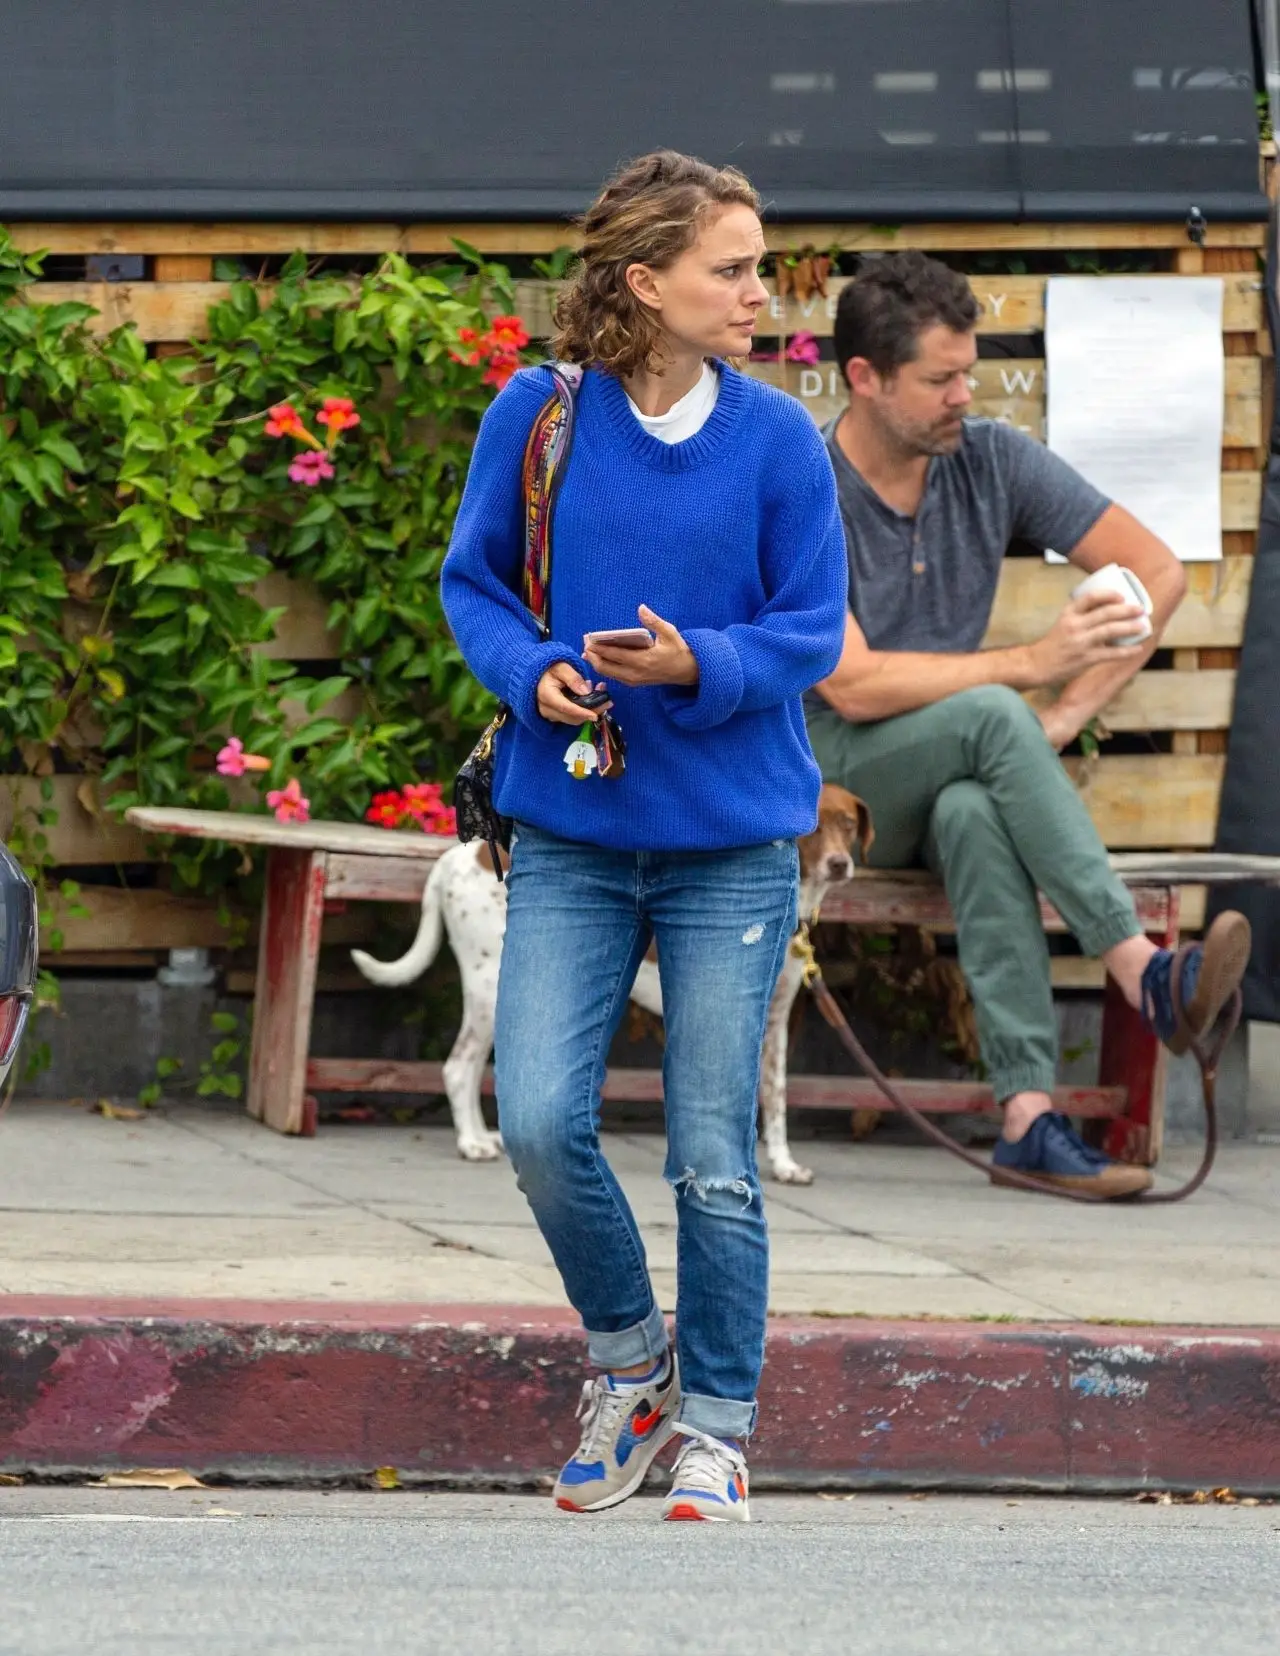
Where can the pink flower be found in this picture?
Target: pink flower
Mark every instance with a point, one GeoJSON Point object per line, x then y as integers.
{"type": "Point", "coordinates": [234, 761]}
{"type": "Point", "coordinates": [310, 468]}
{"type": "Point", "coordinates": [803, 348]}
{"type": "Point", "coordinates": [288, 802]}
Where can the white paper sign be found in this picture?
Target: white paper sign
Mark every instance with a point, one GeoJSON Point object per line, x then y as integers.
{"type": "Point", "coordinates": [1135, 391]}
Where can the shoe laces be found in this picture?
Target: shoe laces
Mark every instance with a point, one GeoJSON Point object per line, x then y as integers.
{"type": "Point", "coordinates": [601, 1410]}
{"type": "Point", "coordinates": [1059, 1126]}
{"type": "Point", "coordinates": [706, 1462]}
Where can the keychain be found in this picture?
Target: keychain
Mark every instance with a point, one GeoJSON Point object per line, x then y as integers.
{"type": "Point", "coordinates": [580, 756]}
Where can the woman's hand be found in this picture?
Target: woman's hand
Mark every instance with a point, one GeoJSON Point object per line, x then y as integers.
{"type": "Point", "coordinates": [554, 705]}
{"type": "Point", "coordinates": [670, 661]}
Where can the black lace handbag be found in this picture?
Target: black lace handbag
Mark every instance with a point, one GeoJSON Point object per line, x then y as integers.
{"type": "Point", "coordinates": [545, 456]}
{"type": "Point", "coordinates": [473, 795]}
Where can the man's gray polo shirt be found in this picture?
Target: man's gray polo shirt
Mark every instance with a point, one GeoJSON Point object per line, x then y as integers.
{"type": "Point", "coordinates": [928, 582]}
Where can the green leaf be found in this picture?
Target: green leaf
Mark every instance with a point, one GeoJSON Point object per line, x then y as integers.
{"type": "Point", "coordinates": [176, 575]}
{"type": "Point", "coordinates": [182, 502]}
{"type": "Point", "coordinates": [67, 453]}
{"type": "Point", "coordinates": [226, 1023]}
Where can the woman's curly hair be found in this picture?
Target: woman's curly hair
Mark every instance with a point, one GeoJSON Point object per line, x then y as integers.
{"type": "Point", "coordinates": [649, 213]}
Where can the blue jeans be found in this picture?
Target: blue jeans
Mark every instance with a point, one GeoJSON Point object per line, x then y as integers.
{"type": "Point", "coordinates": [579, 920]}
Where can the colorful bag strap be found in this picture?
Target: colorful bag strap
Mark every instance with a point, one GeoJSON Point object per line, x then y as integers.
{"type": "Point", "coordinates": [545, 457]}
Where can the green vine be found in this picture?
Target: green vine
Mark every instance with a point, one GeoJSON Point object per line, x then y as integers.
{"type": "Point", "coordinates": [146, 520]}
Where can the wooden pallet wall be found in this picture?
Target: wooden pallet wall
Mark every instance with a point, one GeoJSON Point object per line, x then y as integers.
{"type": "Point", "coordinates": [1164, 797]}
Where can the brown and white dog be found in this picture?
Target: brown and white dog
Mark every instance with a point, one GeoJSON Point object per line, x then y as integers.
{"type": "Point", "coordinates": [463, 899]}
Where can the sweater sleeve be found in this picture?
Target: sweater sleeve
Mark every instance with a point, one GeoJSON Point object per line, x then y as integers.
{"type": "Point", "coordinates": [481, 580]}
{"type": "Point", "coordinates": [796, 638]}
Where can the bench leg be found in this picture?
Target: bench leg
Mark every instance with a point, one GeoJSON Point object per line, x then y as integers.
{"type": "Point", "coordinates": [1134, 1059]}
{"type": "Point", "coordinates": [288, 953]}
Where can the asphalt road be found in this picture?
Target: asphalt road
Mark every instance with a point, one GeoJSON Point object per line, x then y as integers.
{"type": "Point", "coordinates": [96, 1572]}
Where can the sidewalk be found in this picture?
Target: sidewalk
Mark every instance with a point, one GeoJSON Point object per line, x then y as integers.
{"type": "Point", "coordinates": [205, 1204]}
{"type": "Point", "coordinates": [191, 1289]}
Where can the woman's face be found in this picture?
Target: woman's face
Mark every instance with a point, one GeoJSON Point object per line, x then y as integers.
{"type": "Point", "coordinates": [708, 299]}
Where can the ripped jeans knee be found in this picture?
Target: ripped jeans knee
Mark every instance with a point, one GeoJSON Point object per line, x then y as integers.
{"type": "Point", "coordinates": [726, 1194]}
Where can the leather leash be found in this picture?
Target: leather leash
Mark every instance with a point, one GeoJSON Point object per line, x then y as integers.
{"type": "Point", "coordinates": [1208, 1059]}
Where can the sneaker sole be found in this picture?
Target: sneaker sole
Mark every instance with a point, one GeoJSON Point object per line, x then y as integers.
{"type": "Point", "coordinates": [1115, 1185]}
{"type": "Point", "coordinates": [684, 1513]}
{"type": "Point", "coordinates": [1227, 946]}
{"type": "Point", "coordinates": [645, 1458]}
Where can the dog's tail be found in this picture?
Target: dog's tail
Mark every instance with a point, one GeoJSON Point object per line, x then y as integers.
{"type": "Point", "coordinates": [426, 945]}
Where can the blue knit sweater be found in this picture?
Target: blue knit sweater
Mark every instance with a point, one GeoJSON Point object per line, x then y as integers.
{"type": "Point", "coordinates": [732, 535]}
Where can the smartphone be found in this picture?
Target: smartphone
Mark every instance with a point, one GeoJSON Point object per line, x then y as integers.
{"type": "Point", "coordinates": [621, 638]}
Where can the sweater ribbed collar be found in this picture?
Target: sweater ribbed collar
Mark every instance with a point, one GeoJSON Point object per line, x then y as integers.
{"type": "Point", "coordinates": [671, 457]}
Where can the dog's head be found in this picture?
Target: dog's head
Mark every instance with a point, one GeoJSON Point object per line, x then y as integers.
{"type": "Point", "coordinates": [844, 836]}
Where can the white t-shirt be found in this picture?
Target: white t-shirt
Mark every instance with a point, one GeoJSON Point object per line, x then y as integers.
{"type": "Point", "coordinates": [686, 417]}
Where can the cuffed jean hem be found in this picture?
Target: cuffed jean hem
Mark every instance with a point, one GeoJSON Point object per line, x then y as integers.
{"type": "Point", "coordinates": [719, 1417]}
{"type": "Point", "coordinates": [1112, 929]}
{"type": "Point", "coordinates": [643, 1342]}
{"type": "Point", "coordinates": [1030, 1078]}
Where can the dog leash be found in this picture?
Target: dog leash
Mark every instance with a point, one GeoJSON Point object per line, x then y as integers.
{"type": "Point", "coordinates": [1208, 1059]}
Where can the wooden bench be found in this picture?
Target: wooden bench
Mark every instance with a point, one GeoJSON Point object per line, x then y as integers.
{"type": "Point", "coordinates": [308, 863]}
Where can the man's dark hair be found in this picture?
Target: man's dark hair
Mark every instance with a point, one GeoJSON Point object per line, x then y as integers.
{"type": "Point", "coordinates": [883, 311]}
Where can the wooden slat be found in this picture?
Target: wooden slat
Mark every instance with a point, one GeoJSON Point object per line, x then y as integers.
{"type": "Point", "coordinates": [1010, 305]}
{"type": "Point", "coordinates": [139, 920]}
{"type": "Point", "coordinates": [1013, 389]}
{"type": "Point", "coordinates": [247, 828]}
{"type": "Point", "coordinates": [78, 836]}
{"type": "Point", "coordinates": [1173, 701]}
{"type": "Point", "coordinates": [638, 1086]}
{"type": "Point", "coordinates": [544, 236]}
{"type": "Point", "coordinates": [1031, 595]}
{"type": "Point", "coordinates": [914, 898]}
{"type": "Point", "coordinates": [1149, 800]}
{"type": "Point", "coordinates": [159, 310]}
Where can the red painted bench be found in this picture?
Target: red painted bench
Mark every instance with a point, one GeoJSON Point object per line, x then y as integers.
{"type": "Point", "coordinates": [309, 862]}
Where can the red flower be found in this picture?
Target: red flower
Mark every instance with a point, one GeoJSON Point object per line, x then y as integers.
{"type": "Point", "coordinates": [502, 364]}
{"type": "Point", "coordinates": [508, 334]}
{"type": "Point", "coordinates": [387, 810]}
{"type": "Point", "coordinates": [284, 421]}
{"type": "Point", "coordinates": [338, 414]}
{"type": "Point", "coordinates": [470, 338]}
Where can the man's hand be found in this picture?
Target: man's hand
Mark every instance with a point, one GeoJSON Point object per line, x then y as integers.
{"type": "Point", "coordinates": [1085, 635]}
{"type": "Point", "coordinates": [1060, 726]}
{"type": "Point", "coordinates": [670, 661]}
{"type": "Point", "coordinates": [554, 705]}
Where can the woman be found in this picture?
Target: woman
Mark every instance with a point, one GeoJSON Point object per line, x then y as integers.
{"type": "Point", "coordinates": [699, 503]}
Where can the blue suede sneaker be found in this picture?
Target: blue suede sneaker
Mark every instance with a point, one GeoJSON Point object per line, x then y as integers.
{"type": "Point", "coordinates": [625, 1422]}
{"type": "Point", "coordinates": [1052, 1151]}
{"type": "Point", "coordinates": [1208, 975]}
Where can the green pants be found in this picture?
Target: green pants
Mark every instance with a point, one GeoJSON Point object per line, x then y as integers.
{"type": "Point", "coordinates": [972, 788]}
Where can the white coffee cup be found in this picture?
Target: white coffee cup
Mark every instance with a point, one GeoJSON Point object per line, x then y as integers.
{"type": "Point", "coordinates": [1115, 578]}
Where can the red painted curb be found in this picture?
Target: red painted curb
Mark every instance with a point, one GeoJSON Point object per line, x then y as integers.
{"type": "Point", "coordinates": [486, 1395]}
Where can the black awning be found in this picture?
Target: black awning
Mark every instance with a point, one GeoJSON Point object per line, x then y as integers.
{"type": "Point", "coordinates": [887, 110]}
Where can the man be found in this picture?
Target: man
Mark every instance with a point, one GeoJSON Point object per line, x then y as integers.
{"type": "Point", "coordinates": [931, 729]}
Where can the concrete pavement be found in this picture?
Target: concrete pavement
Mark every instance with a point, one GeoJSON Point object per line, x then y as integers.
{"type": "Point", "coordinates": [205, 1204]}
{"type": "Point", "coordinates": [116, 1572]}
